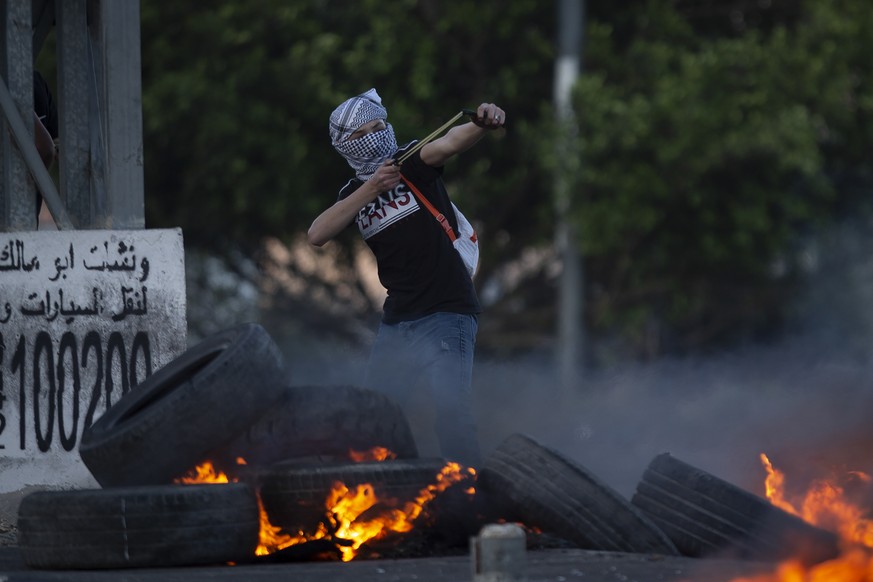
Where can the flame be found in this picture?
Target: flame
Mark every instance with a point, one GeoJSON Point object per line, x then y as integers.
{"type": "Point", "coordinates": [374, 454]}
{"type": "Point", "coordinates": [824, 505]}
{"type": "Point", "coordinates": [272, 538]}
{"type": "Point", "coordinates": [203, 473]}
{"type": "Point", "coordinates": [774, 486]}
{"type": "Point", "coordinates": [344, 508]}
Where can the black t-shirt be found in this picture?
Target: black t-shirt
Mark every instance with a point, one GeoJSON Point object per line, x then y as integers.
{"type": "Point", "coordinates": [417, 262]}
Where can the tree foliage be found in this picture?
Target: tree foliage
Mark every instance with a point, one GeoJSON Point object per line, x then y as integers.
{"type": "Point", "coordinates": [237, 96]}
{"type": "Point", "coordinates": [706, 160]}
{"type": "Point", "coordinates": [714, 137]}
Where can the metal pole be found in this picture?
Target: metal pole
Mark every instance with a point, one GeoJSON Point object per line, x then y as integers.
{"type": "Point", "coordinates": [24, 140]}
{"type": "Point", "coordinates": [74, 92]}
{"type": "Point", "coordinates": [121, 100]}
{"type": "Point", "coordinates": [572, 289]}
{"type": "Point", "coordinates": [17, 192]}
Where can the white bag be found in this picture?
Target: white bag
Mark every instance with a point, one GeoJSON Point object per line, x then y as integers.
{"type": "Point", "coordinates": [467, 243]}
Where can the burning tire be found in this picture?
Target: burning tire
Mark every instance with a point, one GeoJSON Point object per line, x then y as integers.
{"type": "Point", "coordinates": [705, 515]}
{"type": "Point", "coordinates": [175, 417]}
{"type": "Point", "coordinates": [168, 525]}
{"type": "Point", "coordinates": [294, 494]}
{"type": "Point", "coordinates": [528, 482]}
{"type": "Point", "coordinates": [325, 422]}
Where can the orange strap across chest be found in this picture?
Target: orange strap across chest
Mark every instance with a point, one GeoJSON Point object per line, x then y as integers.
{"type": "Point", "coordinates": [444, 222]}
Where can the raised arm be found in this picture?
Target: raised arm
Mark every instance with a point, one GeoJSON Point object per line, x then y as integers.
{"type": "Point", "coordinates": [462, 137]}
{"type": "Point", "coordinates": [332, 221]}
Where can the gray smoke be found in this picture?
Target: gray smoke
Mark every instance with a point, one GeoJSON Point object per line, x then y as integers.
{"type": "Point", "coordinates": [803, 404]}
{"type": "Point", "coordinates": [804, 400]}
{"type": "Point", "coordinates": [806, 411]}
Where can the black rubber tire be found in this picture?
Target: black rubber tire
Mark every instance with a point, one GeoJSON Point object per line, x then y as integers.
{"type": "Point", "coordinates": [130, 527]}
{"type": "Point", "coordinates": [705, 515]}
{"type": "Point", "coordinates": [324, 422]}
{"type": "Point", "coordinates": [543, 489]}
{"type": "Point", "coordinates": [196, 403]}
{"type": "Point", "coordinates": [294, 494]}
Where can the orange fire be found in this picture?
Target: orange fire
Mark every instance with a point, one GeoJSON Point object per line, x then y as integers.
{"type": "Point", "coordinates": [374, 454]}
{"type": "Point", "coordinates": [203, 473]}
{"type": "Point", "coordinates": [824, 505]}
{"type": "Point", "coordinates": [272, 538]}
{"type": "Point", "coordinates": [343, 508]}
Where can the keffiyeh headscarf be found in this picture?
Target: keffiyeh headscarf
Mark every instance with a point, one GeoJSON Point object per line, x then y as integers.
{"type": "Point", "coordinates": [364, 154]}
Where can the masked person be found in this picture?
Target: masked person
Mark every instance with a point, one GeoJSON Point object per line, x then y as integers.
{"type": "Point", "coordinates": [430, 317]}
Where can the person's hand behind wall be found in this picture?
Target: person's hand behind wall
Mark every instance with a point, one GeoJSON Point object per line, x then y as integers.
{"type": "Point", "coordinates": [44, 143]}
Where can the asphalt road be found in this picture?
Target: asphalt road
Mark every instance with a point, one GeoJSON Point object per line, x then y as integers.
{"type": "Point", "coordinates": [542, 565]}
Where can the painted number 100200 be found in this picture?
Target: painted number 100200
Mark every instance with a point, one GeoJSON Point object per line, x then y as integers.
{"type": "Point", "coordinates": [64, 379]}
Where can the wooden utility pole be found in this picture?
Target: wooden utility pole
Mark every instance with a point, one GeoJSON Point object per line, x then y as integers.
{"type": "Point", "coordinates": [571, 302]}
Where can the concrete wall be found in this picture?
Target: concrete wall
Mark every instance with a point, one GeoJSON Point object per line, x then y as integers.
{"type": "Point", "coordinates": [84, 317]}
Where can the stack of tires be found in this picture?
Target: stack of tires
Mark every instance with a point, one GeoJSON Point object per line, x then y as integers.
{"type": "Point", "coordinates": [227, 399]}
{"type": "Point", "coordinates": [707, 516]}
{"type": "Point", "coordinates": [528, 482]}
{"type": "Point", "coordinates": [677, 509]}
{"type": "Point", "coordinates": [224, 399]}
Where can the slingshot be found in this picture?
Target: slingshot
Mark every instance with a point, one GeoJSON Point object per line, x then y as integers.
{"type": "Point", "coordinates": [431, 137]}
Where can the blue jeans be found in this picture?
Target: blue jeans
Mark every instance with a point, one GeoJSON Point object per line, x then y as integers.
{"type": "Point", "coordinates": [439, 349]}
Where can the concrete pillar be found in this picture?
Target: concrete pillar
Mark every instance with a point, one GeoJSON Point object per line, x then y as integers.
{"type": "Point", "coordinates": [18, 199]}
{"type": "Point", "coordinates": [499, 554]}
